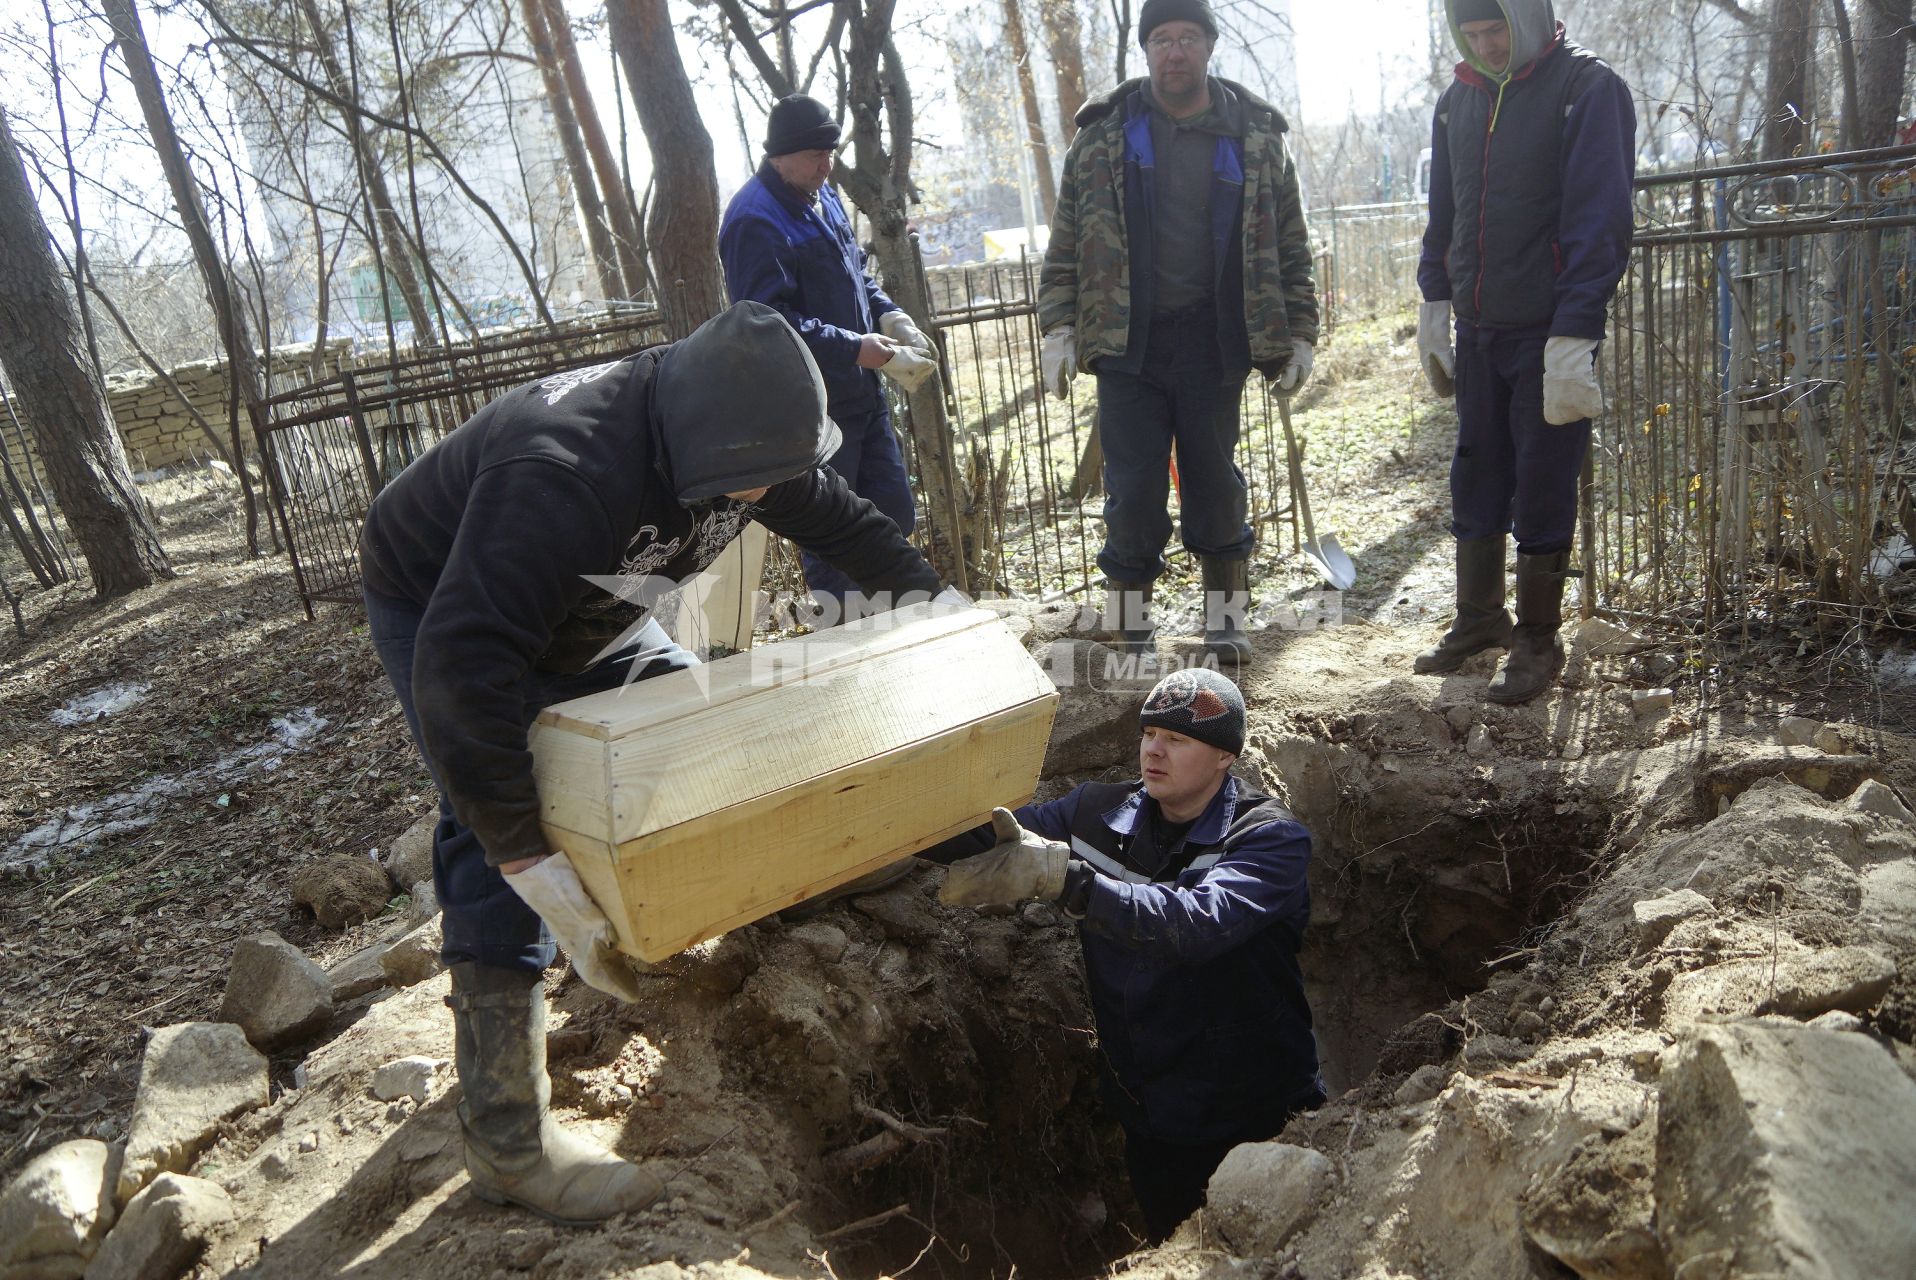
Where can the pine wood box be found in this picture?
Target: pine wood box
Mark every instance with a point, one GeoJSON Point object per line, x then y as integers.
{"type": "Point", "coordinates": [699, 801]}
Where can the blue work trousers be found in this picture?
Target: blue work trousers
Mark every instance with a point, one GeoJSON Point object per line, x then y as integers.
{"type": "Point", "coordinates": [1512, 471]}
{"type": "Point", "coordinates": [870, 463]}
{"type": "Point", "coordinates": [482, 919]}
{"type": "Point", "coordinates": [1181, 395]}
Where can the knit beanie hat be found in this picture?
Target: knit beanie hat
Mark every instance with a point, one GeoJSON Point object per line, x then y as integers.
{"type": "Point", "coordinates": [799, 123]}
{"type": "Point", "coordinates": [1158, 12]}
{"type": "Point", "coordinates": [1198, 703]}
{"type": "Point", "coordinates": [1462, 11]}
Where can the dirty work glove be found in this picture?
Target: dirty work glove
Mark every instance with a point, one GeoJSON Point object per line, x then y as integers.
{"type": "Point", "coordinates": [908, 367]}
{"type": "Point", "coordinates": [1436, 351]}
{"type": "Point", "coordinates": [1058, 359]}
{"type": "Point", "coordinates": [1020, 866]}
{"type": "Point", "coordinates": [1296, 369]}
{"type": "Point", "coordinates": [898, 326]}
{"type": "Point", "coordinates": [552, 888]}
{"type": "Point", "coordinates": [1570, 390]}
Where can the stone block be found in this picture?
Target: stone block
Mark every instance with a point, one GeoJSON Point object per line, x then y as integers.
{"type": "Point", "coordinates": [56, 1211]}
{"type": "Point", "coordinates": [1797, 731]}
{"type": "Point", "coordinates": [1880, 799]}
{"type": "Point", "coordinates": [413, 958]}
{"type": "Point", "coordinates": [274, 993]}
{"type": "Point", "coordinates": [1264, 1192]}
{"type": "Point", "coordinates": [164, 1230]}
{"type": "Point", "coordinates": [1788, 1149]}
{"type": "Point", "coordinates": [194, 1075]}
{"type": "Point", "coordinates": [1850, 979]}
{"type": "Point", "coordinates": [1656, 917]}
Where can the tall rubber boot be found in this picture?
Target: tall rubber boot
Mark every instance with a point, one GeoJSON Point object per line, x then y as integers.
{"type": "Point", "coordinates": [1482, 622]}
{"type": "Point", "coordinates": [1536, 653]}
{"type": "Point", "coordinates": [1127, 615]}
{"type": "Point", "coordinates": [1227, 599]}
{"type": "Point", "coordinates": [516, 1153]}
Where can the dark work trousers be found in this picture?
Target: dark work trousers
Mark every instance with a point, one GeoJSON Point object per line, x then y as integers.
{"type": "Point", "coordinates": [483, 920]}
{"type": "Point", "coordinates": [1181, 394]}
{"type": "Point", "coordinates": [870, 463]}
{"type": "Point", "coordinates": [1512, 472]}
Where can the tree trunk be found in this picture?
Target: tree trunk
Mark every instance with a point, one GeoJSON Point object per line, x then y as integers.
{"type": "Point", "coordinates": [1064, 40]}
{"type": "Point", "coordinates": [63, 398]}
{"type": "Point", "coordinates": [1786, 93]}
{"type": "Point", "coordinates": [1034, 118]}
{"type": "Point", "coordinates": [235, 334]}
{"type": "Point", "coordinates": [585, 189]}
{"type": "Point", "coordinates": [682, 229]}
{"type": "Point", "coordinates": [627, 239]}
{"type": "Point", "coordinates": [1882, 38]}
{"type": "Point", "coordinates": [373, 177]}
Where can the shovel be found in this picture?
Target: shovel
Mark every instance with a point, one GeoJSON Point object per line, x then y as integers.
{"type": "Point", "coordinates": [1326, 554]}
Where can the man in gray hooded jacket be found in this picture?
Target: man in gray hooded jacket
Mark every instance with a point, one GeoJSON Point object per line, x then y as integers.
{"type": "Point", "coordinates": [478, 562]}
{"type": "Point", "coordinates": [1532, 153]}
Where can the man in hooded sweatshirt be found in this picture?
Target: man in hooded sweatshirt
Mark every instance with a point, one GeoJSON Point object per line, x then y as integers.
{"type": "Point", "coordinates": [1179, 261]}
{"type": "Point", "coordinates": [787, 242]}
{"type": "Point", "coordinates": [478, 560]}
{"type": "Point", "coordinates": [1532, 154]}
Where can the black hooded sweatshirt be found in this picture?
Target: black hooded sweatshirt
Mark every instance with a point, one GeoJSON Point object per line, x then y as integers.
{"type": "Point", "coordinates": [492, 533]}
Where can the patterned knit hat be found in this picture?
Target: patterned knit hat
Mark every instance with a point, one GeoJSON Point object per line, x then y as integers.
{"type": "Point", "coordinates": [1198, 703]}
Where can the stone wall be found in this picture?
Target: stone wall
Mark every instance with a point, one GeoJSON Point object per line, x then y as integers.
{"type": "Point", "coordinates": [155, 425]}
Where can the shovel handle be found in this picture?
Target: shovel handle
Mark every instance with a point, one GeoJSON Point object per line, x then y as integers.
{"type": "Point", "coordinates": [1296, 466]}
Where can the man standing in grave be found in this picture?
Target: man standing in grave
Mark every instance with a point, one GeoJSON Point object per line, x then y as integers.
{"type": "Point", "coordinates": [479, 561]}
{"type": "Point", "coordinates": [1190, 894]}
{"type": "Point", "coordinates": [787, 242]}
{"type": "Point", "coordinates": [1532, 154]}
{"type": "Point", "coordinates": [1179, 262]}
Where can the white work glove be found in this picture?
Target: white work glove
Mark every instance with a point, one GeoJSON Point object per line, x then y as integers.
{"type": "Point", "coordinates": [898, 326]}
{"type": "Point", "coordinates": [951, 598]}
{"type": "Point", "coordinates": [552, 888]}
{"type": "Point", "coordinates": [909, 368]}
{"type": "Point", "coordinates": [1058, 358]}
{"type": "Point", "coordinates": [1297, 369]}
{"type": "Point", "coordinates": [1436, 349]}
{"type": "Point", "coordinates": [1570, 390]}
{"type": "Point", "coordinates": [1020, 866]}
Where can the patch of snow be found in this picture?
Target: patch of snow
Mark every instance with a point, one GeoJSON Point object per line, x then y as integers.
{"type": "Point", "coordinates": [107, 700]}
{"type": "Point", "coordinates": [1898, 667]}
{"type": "Point", "coordinates": [85, 825]}
{"type": "Point", "coordinates": [1891, 556]}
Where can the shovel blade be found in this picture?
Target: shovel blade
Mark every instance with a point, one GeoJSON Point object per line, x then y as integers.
{"type": "Point", "coordinates": [1333, 561]}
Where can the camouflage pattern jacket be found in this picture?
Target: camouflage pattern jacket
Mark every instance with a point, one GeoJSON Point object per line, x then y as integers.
{"type": "Point", "coordinates": [1103, 224]}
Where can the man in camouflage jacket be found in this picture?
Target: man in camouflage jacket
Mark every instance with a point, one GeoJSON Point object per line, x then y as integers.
{"type": "Point", "coordinates": [1179, 261]}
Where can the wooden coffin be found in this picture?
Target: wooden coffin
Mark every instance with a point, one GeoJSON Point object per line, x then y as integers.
{"type": "Point", "coordinates": [702, 800]}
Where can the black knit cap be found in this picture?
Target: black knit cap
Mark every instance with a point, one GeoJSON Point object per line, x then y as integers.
{"type": "Point", "coordinates": [1462, 11]}
{"type": "Point", "coordinates": [1198, 703]}
{"type": "Point", "coordinates": [1158, 12]}
{"type": "Point", "coordinates": [799, 123]}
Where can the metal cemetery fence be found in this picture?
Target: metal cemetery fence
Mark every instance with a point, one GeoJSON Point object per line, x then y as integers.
{"type": "Point", "coordinates": [329, 447]}
{"type": "Point", "coordinates": [1756, 433]}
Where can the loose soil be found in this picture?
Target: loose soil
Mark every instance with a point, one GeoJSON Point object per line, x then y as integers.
{"type": "Point", "coordinates": [892, 1086]}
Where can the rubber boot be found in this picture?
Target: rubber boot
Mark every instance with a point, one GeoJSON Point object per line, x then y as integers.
{"type": "Point", "coordinates": [1536, 653]}
{"type": "Point", "coordinates": [516, 1153]}
{"type": "Point", "coordinates": [1227, 598]}
{"type": "Point", "coordinates": [1127, 615]}
{"type": "Point", "coordinates": [1482, 622]}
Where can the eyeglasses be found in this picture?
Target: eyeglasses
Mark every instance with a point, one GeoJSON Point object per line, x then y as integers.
{"type": "Point", "coordinates": [1163, 44]}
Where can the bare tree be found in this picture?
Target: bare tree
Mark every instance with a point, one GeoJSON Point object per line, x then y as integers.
{"type": "Point", "coordinates": [1064, 41]}
{"type": "Point", "coordinates": [585, 188]}
{"type": "Point", "coordinates": [628, 239]}
{"type": "Point", "coordinates": [63, 399]}
{"type": "Point", "coordinates": [682, 230]}
{"type": "Point", "coordinates": [1883, 31]}
{"type": "Point", "coordinates": [1786, 94]}
{"type": "Point", "coordinates": [1034, 118]}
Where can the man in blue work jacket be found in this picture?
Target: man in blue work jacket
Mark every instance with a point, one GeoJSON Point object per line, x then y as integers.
{"type": "Point", "coordinates": [787, 242]}
{"type": "Point", "coordinates": [1532, 154]}
{"type": "Point", "coordinates": [1189, 891]}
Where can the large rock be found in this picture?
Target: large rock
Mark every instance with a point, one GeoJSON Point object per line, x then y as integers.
{"type": "Point", "coordinates": [341, 890]}
{"type": "Point", "coordinates": [1264, 1192]}
{"type": "Point", "coordinates": [1878, 798]}
{"type": "Point", "coordinates": [164, 1230]}
{"type": "Point", "coordinates": [409, 860]}
{"type": "Point", "coordinates": [1852, 979]}
{"type": "Point", "coordinates": [55, 1213]}
{"type": "Point", "coordinates": [275, 994]}
{"type": "Point", "coordinates": [1096, 724]}
{"type": "Point", "coordinates": [415, 957]}
{"type": "Point", "coordinates": [1655, 918]}
{"type": "Point", "coordinates": [1595, 1214]}
{"type": "Point", "coordinates": [358, 973]}
{"type": "Point", "coordinates": [194, 1075]}
{"type": "Point", "coordinates": [1786, 1151]}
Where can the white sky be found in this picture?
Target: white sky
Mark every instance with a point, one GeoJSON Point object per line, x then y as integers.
{"type": "Point", "coordinates": [1349, 53]}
